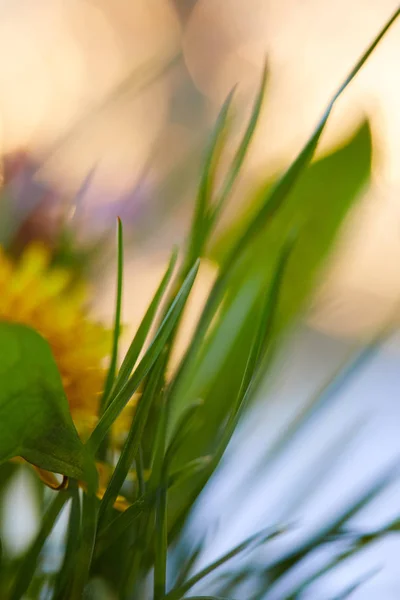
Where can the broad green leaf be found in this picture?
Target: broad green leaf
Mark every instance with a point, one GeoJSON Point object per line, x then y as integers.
{"type": "Point", "coordinates": [35, 422]}
{"type": "Point", "coordinates": [316, 206]}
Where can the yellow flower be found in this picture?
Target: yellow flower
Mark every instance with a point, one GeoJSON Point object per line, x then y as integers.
{"type": "Point", "coordinates": [43, 297]}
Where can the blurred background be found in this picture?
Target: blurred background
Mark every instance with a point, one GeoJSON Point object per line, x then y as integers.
{"type": "Point", "coordinates": [106, 109]}
{"type": "Point", "coordinates": [116, 101]}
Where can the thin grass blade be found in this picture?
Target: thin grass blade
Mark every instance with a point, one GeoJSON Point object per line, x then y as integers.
{"type": "Point", "coordinates": [207, 598]}
{"type": "Point", "coordinates": [118, 402]}
{"type": "Point", "coordinates": [139, 339]}
{"type": "Point", "coordinates": [327, 394]}
{"type": "Point", "coordinates": [357, 584]}
{"type": "Point", "coordinates": [86, 548]}
{"type": "Point", "coordinates": [28, 565]}
{"type": "Point", "coordinates": [332, 527]}
{"type": "Point", "coordinates": [318, 472]}
{"type": "Point", "coordinates": [132, 444]}
{"type": "Point", "coordinates": [188, 562]}
{"type": "Point", "coordinates": [161, 542]}
{"type": "Point", "coordinates": [241, 152]}
{"type": "Point", "coordinates": [262, 337]}
{"type": "Point", "coordinates": [182, 429]}
{"type": "Point", "coordinates": [117, 319]}
{"type": "Point", "coordinates": [193, 467]}
{"type": "Point", "coordinates": [250, 543]}
{"type": "Point", "coordinates": [254, 367]}
{"type": "Point", "coordinates": [198, 232]}
{"type": "Point", "coordinates": [71, 547]}
{"type": "Point", "coordinates": [110, 533]}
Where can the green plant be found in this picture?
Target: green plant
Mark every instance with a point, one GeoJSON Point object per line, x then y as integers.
{"type": "Point", "coordinates": [183, 422]}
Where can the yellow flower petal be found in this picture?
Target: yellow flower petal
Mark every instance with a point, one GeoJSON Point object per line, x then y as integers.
{"type": "Point", "coordinates": [34, 293]}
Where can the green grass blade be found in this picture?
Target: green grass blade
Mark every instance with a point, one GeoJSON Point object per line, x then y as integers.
{"type": "Point", "coordinates": [198, 232]}
{"type": "Point", "coordinates": [111, 531]}
{"type": "Point", "coordinates": [193, 467]}
{"type": "Point", "coordinates": [233, 580]}
{"type": "Point", "coordinates": [318, 472]}
{"type": "Point", "coordinates": [132, 444]}
{"type": "Point", "coordinates": [213, 373]}
{"type": "Point", "coordinates": [159, 442]}
{"type": "Point", "coordinates": [28, 565]}
{"type": "Point", "coordinates": [357, 584]}
{"type": "Point", "coordinates": [117, 527]}
{"type": "Point", "coordinates": [120, 400]}
{"type": "Point", "coordinates": [288, 180]}
{"type": "Point", "coordinates": [253, 369]}
{"type": "Point", "coordinates": [258, 349]}
{"type": "Point", "coordinates": [158, 483]}
{"type": "Point", "coordinates": [161, 527]}
{"type": "Point", "coordinates": [241, 152]}
{"type": "Point", "coordinates": [71, 547]}
{"type": "Point", "coordinates": [86, 548]}
{"type": "Point", "coordinates": [140, 472]}
{"type": "Point", "coordinates": [250, 543]}
{"type": "Point", "coordinates": [182, 429]}
{"type": "Point", "coordinates": [187, 562]}
{"type": "Point", "coordinates": [332, 527]}
{"type": "Point", "coordinates": [327, 394]}
{"type": "Point", "coordinates": [161, 543]}
{"type": "Point", "coordinates": [139, 339]}
{"type": "Point", "coordinates": [117, 320]}
{"type": "Point", "coordinates": [331, 564]}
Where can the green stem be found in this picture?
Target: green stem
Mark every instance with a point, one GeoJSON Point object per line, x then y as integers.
{"type": "Point", "coordinates": [84, 557]}
{"type": "Point", "coordinates": [161, 544]}
{"type": "Point", "coordinates": [62, 581]}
